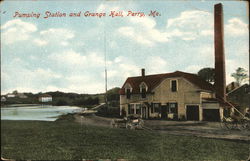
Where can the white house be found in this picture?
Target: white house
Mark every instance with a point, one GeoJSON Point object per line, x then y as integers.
{"type": "Point", "coordinates": [10, 95]}
{"type": "Point", "coordinates": [3, 99]}
{"type": "Point", "coordinates": [45, 98]}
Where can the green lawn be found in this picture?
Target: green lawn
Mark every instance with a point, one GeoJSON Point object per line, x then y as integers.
{"type": "Point", "coordinates": [64, 140]}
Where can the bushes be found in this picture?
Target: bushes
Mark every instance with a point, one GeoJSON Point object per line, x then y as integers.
{"type": "Point", "coordinates": [86, 101]}
{"type": "Point", "coordinates": [109, 112]}
{"type": "Point", "coordinates": [61, 102]}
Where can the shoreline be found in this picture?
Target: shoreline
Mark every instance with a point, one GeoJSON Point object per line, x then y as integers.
{"type": "Point", "coordinates": [31, 105]}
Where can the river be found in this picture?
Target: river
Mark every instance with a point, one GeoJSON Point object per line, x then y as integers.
{"type": "Point", "coordinates": [39, 112]}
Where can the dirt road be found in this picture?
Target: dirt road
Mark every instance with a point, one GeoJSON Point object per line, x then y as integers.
{"type": "Point", "coordinates": [189, 128]}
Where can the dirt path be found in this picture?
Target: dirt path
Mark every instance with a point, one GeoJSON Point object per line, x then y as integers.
{"type": "Point", "coordinates": [188, 128]}
{"type": "Point", "coordinates": [199, 129]}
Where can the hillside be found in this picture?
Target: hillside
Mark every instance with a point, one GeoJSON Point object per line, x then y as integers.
{"type": "Point", "coordinates": [72, 99]}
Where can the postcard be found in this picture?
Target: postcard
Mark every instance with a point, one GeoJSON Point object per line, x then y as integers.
{"type": "Point", "coordinates": [125, 80]}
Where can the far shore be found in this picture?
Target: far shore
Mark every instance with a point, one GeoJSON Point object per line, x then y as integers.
{"type": "Point", "coordinates": [20, 105]}
{"type": "Point", "coordinates": [30, 105]}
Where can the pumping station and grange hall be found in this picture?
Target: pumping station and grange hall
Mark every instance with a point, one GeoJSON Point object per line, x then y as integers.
{"type": "Point", "coordinates": [180, 95]}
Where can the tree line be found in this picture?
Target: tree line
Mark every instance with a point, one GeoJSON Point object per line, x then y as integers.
{"type": "Point", "coordinates": [208, 74]}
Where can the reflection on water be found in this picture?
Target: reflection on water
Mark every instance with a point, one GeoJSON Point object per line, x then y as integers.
{"type": "Point", "coordinates": [14, 112]}
{"type": "Point", "coordinates": [45, 113]}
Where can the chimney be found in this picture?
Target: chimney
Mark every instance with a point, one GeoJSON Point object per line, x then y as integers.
{"type": "Point", "coordinates": [142, 72]}
{"type": "Point", "coordinates": [220, 76]}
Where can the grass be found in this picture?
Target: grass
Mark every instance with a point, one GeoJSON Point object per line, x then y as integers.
{"type": "Point", "coordinates": [66, 140]}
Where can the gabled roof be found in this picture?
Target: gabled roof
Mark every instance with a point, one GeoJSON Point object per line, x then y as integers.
{"type": "Point", "coordinates": [245, 86]}
{"type": "Point", "coordinates": [153, 81]}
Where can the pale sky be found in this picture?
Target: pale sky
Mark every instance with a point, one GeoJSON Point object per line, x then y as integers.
{"type": "Point", "coordinates": [67, 53]}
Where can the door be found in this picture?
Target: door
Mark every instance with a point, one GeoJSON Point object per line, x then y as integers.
{"type": "Point", "coordinates": [211, 115]}
{"type": "Point", "coordinates": [163, 111]}
{"type": "Point", "coordinates": [192, 112]}
{"type": "Point", "coordinates": [144, 112]}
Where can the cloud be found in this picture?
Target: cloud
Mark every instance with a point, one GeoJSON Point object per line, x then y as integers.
{"type": "Point", "coordinates": [68, 57]}
{"type": "Point", "coordinates": [59, 36]}
{"type": "Point", "coordinates": [156, 64]}
{"type": "Point", "coordinates": [236, 27]}
{"type": "Point", "coordinates": [107, 8]}
{"type": "Point", "coordinates": [143, 31]}
{"type": "Point", "coordinates": [190, 25]}
{"type": "Point", "coordinates": [73, 59]}
{"type": "Point", "coordinates": [193, 68]}
{"type": "Point", "coordinates": [18, 75]}
{"type": "Point", "coordinates": [120, 68]}
{"type": "Point", "coordinates": [40, 42]}
{"type": "Point", "coordinates": [84, 84]}
{"type": "Point", "coordinates": [17, 30]}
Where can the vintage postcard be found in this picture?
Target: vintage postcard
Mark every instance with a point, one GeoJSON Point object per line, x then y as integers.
{"type": "Point", "coordinates": [125, 80]}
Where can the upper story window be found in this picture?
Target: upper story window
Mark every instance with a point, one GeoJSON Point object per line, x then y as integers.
{"type": "Point", "coordinates": [143, 89]}
{"type": "Point", "coordinates": [128, 93]}
{"type": "Point", "coordinates": [128, 90]}
{"type": "Point", "coordinates": [173, 85]}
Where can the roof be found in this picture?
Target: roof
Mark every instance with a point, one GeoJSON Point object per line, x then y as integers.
{"type": "Point", "coordinates": [45, 95]}
{"type": "Point", "coordinates": [245, 86]}
{"type": "Point", "coordinates": [153, 81]}
{"type": "Point", "coordinates": [223, 103]}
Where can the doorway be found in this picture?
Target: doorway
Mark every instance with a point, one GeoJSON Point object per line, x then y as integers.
{"type": "Point", "coordinates": [192, 112]}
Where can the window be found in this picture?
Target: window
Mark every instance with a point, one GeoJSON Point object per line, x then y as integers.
{"type": "Point", "coordinates": [143, 89]}
{"type": "Point", "coordinates": [143, 93]}
{"type": "Point", "coordinates": [155, 107]}
{"type": "Point", "coordinates": [172, 108]}
{"type": "Point", "coordinates": [131, 109]}
{"type": "Point", "coordinates": [138, 108]}
{"type": "Point", "coordinates": [128, 90]}
{"type": "Point", "coordinates": [173, 85]}
{"type": "Point", "coordinates": [128, 93]}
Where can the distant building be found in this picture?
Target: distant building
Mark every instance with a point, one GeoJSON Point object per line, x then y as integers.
{"type": "Point", "coordinates": [16, 94]}
{"type": "Point", "coordinates": [3, 99]}
{"type": "Point", "coordinates": [232, 86]}
{"type": "Point", "coordinates": [11, 95]}
{"type": "Point", "coordinates": [240, 96]}
{"type": "Point", "coordinates": [45, 98]}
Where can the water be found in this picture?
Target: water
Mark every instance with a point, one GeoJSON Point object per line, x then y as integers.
{"type": "Point", "coordinates": [44, 113]}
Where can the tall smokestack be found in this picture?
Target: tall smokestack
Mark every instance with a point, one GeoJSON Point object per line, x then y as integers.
{"type": "Point", "coordinates": [220, 76]}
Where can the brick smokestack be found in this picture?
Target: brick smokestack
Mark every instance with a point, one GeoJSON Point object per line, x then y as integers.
{"type": "Point", "coordinates": [220, 76]}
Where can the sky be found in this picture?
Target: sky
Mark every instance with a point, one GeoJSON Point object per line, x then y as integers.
{"type": "Point", "coordinates": [68, 53]}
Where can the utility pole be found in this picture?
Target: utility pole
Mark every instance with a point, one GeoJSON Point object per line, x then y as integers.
{"type": "Point", "coordinates": [105, 59]}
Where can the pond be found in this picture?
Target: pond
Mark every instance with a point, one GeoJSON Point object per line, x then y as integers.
{"type": "Point", "coordinates": [40, 112]}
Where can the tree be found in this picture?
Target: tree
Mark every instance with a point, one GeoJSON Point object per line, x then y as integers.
{"type": "Point", "coordinates": [207, 74]}
{"type": "Point", "coordinates": [15, 92]}
{"type": "Point", "coordinates": [239, 75]}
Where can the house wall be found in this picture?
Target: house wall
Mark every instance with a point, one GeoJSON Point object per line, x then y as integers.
{"type": "Point", "coordinates": [207, 95]}
{"type": "Point", "coordinates": [135, 98]}
{"type": "Point", "coordinates": [186, 94]}
{"type": "Point", "coordinates": [45, 99]}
